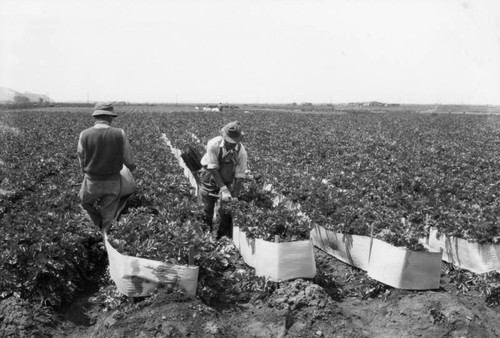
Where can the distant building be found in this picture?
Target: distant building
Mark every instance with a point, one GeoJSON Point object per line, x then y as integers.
{"type": "Point", "coordinates": [373, 104]}
{"type": "Point", "coordinates": [367, 104]}
{"type": "Point", "coordinates": [218, 108]}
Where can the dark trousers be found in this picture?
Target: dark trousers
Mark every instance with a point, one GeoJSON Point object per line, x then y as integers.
{"type": "Point", "coordinates": [107, 193]}
{"type": "Point", "coordinates": [208, 209]}
{"type": "Point", "coordinates": [225, 227]}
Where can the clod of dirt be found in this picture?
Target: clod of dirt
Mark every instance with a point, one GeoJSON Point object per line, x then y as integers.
{"type": "Point", "coordinates": [299, 293]}
{"type": "Point", "coordinates": [18, 318]}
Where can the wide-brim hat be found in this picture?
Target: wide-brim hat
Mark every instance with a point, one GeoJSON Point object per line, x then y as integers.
{"type": "Point", "coordinates": [232, 133]}
{"type": "Point", "coordinates": [104, 108]}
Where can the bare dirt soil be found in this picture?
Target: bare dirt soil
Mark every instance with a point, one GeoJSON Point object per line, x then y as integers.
{"type": "Point", "coordinates": [353, 306]}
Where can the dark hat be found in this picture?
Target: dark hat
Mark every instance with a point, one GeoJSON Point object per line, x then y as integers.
{"type": "Point", "coordinates": [104, 108]}
{"type": "Point", "coordinates": [232, 132]}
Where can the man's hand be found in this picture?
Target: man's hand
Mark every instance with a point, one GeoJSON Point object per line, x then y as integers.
{"type": "Point", "coordinates": [225, 194]}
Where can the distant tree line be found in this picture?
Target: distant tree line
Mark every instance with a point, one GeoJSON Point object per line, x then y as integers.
{"type": "Point", "coordinates": [21, 101]}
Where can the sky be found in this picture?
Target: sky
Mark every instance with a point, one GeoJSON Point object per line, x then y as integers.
{"type": "Point", "coordinates": [258, 51]}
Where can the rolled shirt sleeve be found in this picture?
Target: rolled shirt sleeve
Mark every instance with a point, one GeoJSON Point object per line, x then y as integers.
{"type": "Point", "coordinates": [128, 155]}
{"type": "Point", "coordinates": [79, 150]}
{"type": "Point", "coordinates": [210, 160]}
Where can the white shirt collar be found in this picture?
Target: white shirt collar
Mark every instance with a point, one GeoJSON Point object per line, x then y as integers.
{"type": "Point", "coordinates": [99, 124]}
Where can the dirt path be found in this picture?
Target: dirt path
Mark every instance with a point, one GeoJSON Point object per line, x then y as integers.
{"type": "Point", "coordinates": [353, 307]}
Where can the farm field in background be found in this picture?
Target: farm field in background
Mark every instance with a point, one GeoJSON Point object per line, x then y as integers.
{"type": "Point", "coordinates": [394, 174]}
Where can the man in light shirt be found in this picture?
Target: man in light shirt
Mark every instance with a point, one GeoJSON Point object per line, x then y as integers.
{"type": "Point", "coordinates": [102, 152]}
{"type": "Point", "coordinates": [224, 167]}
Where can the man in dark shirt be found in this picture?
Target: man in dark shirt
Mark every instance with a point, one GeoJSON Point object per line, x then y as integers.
{"type": "Point", "coordinates": [102, 151]}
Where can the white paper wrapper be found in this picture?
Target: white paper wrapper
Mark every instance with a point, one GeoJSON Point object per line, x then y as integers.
{"type": "Point", "coordinates": [472, 256]}
{"type": "Point", "coordinates": [139, 277]}
{"type": "Point", "coordinates": [277, 261]}
{"type": "Point", "coordinates": [398, 267]}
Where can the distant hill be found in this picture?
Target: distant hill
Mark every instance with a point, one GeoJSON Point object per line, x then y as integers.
{"type": "Point", "coordinates": [8, 95]}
